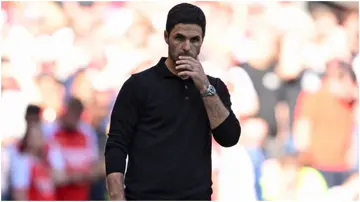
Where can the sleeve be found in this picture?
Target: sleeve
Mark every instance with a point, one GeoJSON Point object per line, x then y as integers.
{"type": "Point", "coordinates": [49, 129]}
{"type": "Point", "coordinates": [20, 172]}
{"type": "Point", "coordinates": [5, 168]}
{"type": "Point", "coordinates": [55, 158]}
{"type": "Point", "coordinates": [92, 140]}
{"type": "Point", "coordinates": [239, 173]}
{"type": "Point", "coordinates": [227, 134]}
{"type": "Point", "coordinates": [124, 118]}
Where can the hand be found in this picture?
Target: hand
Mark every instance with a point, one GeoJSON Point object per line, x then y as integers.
{"type": "Point", "coordinates": [78, 177]}
{"type": "Point", "coordinates": [84, 175]}
{"type": "Point", "coordinates": [191, 67]}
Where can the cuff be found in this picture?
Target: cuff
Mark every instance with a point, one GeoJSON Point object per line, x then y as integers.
{"type": "Point", "coordinates": [115, 159]}
{"type": "Point", "coordinates": [227, 134]}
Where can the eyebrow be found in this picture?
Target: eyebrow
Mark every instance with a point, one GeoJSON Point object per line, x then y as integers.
{"type": "Point", "coordinates": [182, 35]}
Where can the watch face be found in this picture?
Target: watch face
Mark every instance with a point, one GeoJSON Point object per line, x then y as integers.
{"type": "Point", "coordinates": [212, 90]}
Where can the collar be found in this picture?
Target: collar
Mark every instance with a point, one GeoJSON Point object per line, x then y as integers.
{"type": "Point", "coordinates": [163, 70]}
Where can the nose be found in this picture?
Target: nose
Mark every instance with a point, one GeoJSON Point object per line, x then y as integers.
{"type": "Point", "coordinates": [186, 46]}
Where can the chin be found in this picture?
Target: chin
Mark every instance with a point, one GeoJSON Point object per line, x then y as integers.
{"type": "Point", "coordinates": [70, 128]}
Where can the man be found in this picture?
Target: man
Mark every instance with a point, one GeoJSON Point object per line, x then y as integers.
{"type": "Point", "coordinates": [30, 163]}
{"type": "Point", "coordinates": [78, 145]}
{"type": "Point", "coordinates": [325, 123]}
{"type": "Point", "coordinates": [9, 151]}
{"type": "Point", "coordinates": [163, 119]}
{"type": "Point", "coordinates": [32, 152]}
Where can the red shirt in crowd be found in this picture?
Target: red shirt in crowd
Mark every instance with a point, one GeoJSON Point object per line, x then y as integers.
{"type": "Point", "coordinates": [79, 150]}
{"type": "Point", "coordinates": [32, 174]}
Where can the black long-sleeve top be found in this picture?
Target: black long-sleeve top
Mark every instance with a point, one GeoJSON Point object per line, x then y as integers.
{"type": "Point", "coordinates": [160, 122]}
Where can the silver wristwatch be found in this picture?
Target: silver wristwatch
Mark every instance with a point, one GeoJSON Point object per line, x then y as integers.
{"type": "Point", "coordinates": [210, 91]}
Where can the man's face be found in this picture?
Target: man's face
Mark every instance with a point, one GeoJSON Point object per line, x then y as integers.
{"type": "Point", "coordinates": [32, 119]}
{"type": "Point", "coordinates": [184, 40]}
{"type": "Point", "coordinates": [70, 120]}
{"type": "Point", "coordinates": [35, 139]}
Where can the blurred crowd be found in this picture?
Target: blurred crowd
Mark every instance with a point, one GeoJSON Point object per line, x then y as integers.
{"type": "Point", "coordinates": [291, 69]}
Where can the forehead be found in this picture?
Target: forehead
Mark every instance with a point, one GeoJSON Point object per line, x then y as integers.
{"type": "Point", "coordinates": [187, 30]}
{"type": "Point", "coordinates": [33, 115]}
{"type": "Point", "coordinates": [73, 112]}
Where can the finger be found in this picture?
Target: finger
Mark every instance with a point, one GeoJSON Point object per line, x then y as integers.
{"type": "Point", "coordinates": [185, 61]}
{"type": "Point", "coordinates": [179, 62]}
{"type": "Point", "coordinates": [195, 66]}
{"type": "Point", "coordinates": [184, 67]}
{"type": "Point", "coordinates": [187, 58]}
{"type": "Point", "coordinates": [187, 73]}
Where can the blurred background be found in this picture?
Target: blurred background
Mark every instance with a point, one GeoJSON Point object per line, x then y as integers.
{"type": "Point", "coordinates": [291, 69]}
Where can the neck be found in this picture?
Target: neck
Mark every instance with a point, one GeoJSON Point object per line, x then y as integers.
{"type": "Point", "coordinates": [170, 64]}
{"type": "Point", "coordinates": [33, 151]}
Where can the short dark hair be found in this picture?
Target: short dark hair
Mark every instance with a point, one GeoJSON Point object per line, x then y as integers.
{"type": "Point", "coordinates": [73, 104]}
{"type": "Point", "coordinates": [30, 110]}
{"type": "Point", "coordinates": [33, 110]}
{"type": "Point", "coordinates": [185, 13]}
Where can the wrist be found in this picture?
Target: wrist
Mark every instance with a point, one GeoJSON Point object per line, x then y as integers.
{"type": "Point", "coordinates": [204, 87]}
{"type": "Point", "coordinates": [210, 91]}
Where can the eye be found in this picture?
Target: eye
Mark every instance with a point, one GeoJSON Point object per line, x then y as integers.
{"type": "Point", "coordinates": [195, 40]}
{"type": "Point", "coordinates": [179, 37]}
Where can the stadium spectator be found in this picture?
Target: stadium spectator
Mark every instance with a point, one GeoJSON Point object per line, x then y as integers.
{"type": "Point", "coordinates": [78, 145]}
{"type": "Point", "coordinates": [328, 115]}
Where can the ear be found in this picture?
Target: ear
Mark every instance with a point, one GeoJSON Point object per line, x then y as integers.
{"type": "Point", "coordinates": [166, 37]}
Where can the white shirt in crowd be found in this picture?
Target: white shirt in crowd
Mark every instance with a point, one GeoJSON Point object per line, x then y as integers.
{"type": "Point", "coordinates": [236, 175]}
